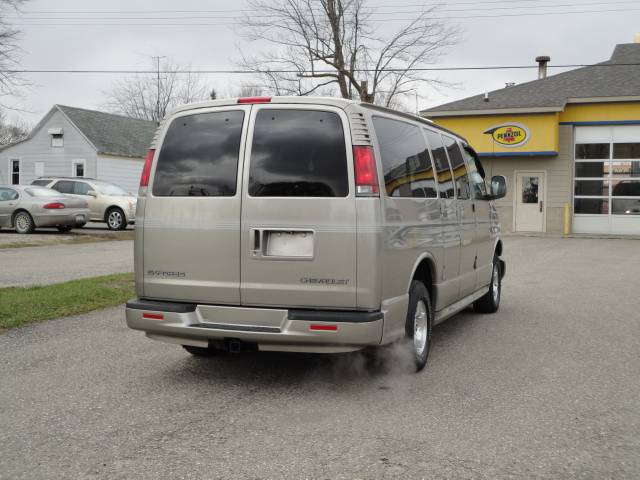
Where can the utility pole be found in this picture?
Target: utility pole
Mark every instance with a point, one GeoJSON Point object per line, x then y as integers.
{"type": "Point", "coordinates": [157, 59]}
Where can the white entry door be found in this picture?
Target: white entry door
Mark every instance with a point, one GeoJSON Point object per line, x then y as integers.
{"type": "Point", "coordinates": [529, 202]}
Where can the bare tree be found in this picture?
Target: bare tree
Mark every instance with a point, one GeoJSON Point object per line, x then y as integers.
{"type": "Point", "coordinates": [10, 81]}
{"type": "Point", "coordinates": [333, 46]}
{"type": "Point", "coordinates": [12, 131]}
{"type": "Point", "coordinates": [150, 97]}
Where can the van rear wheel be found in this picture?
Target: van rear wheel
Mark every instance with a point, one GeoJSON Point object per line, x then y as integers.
{"type": "Point", "coordinates": [201, 351]}
{"type": "Point", "coordinates": [419, 323]}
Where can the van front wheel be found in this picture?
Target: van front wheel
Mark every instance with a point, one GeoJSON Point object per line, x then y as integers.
{"type": "Point", "coordinates": [490, 301]}
{"type": "Point", "coordinates": [419, 323]}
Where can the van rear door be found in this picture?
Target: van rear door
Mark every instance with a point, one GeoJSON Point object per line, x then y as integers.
{"type": "Point", "coordinates": [191, 226]}
{"type": "Point", "coordinates": [298, 245]}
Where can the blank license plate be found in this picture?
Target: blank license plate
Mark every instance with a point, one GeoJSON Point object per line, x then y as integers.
{"type": "Point", "coordinates": [289, 244]}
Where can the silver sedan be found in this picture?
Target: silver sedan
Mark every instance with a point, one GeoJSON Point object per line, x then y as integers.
{"type": "Point", "coordinates": [27, 207]}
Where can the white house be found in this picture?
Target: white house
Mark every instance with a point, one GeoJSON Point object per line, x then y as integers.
{"type": "Point", "coordinates": [75, 142]}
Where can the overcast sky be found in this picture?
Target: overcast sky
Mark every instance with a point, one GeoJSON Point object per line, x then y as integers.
{"type": "Point", "coordinates": [494, 40]}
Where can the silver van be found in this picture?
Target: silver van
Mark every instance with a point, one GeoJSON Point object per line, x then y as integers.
{"type": "Point", "coordinates": [308, 224]}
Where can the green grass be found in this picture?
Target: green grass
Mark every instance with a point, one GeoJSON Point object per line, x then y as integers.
{"type": "Point", "coordinates": [22, 305]}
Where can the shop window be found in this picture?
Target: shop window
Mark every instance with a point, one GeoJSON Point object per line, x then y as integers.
{"type": "Point", "coordinates": [588, 151]}
{"type": "Point", "coordinates": [625, 206]}
{"type": "Point", "coordinates": [591, 169]}
{"type": "Point", "coordinates": [625, 188]}
{"type": "Point", "coordinates": [625, 169]}
{"type": "Point", "coordinates": [591, 206]}
{"type": "Point", "coordinates": [596, 188]}
{"type": "Point", "coordinates": [626, 150]}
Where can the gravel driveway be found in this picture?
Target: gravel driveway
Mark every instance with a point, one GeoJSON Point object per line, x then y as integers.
{"type": "Point", "coordinates": [546, 388]}
{"type": "Point", "coordinates": [60, 263]}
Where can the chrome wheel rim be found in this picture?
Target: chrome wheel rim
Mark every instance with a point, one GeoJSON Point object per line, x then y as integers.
{"type": "Point", "coordinates": [495, 284]}
{"type": "Point", "coordinates": [420, 328]}
{"type": "Point", "coordinates": [22, 223]}
{"type": "Point", "coordinates": [115, 219]}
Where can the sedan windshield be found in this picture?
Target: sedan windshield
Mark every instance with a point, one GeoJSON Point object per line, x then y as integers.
{"type": "Point", "coordinates": [41, 192]}
{"type": "Point", "coordinates": [110, 190]}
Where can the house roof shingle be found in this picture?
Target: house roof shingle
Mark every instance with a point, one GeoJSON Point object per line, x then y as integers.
{"type": "Point", "coordinates": [112, 134]}
{"type": "Point", "coordinates": [617, 77]}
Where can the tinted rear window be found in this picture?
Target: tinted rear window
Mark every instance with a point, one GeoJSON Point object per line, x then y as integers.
{"type": "Point", "coordinates": [199, 156]}
{"type": "Point", "coordinates": [298, 153]}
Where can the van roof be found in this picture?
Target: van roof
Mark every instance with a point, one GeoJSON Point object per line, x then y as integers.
{"type": "Point", "coordinates": [342, 103]}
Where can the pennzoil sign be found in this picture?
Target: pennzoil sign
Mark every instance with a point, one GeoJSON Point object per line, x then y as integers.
{"type": "Point", "coordinates": [509, 134]}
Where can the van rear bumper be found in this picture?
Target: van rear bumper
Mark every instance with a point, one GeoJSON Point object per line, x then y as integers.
{"type": "Point", "coordinates": [292, 330]}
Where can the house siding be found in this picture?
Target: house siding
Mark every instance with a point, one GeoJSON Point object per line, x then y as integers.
{"type": "Point", "coordinates": [124, 172]}
{"type": "Point", "coordinates": [57, 160]}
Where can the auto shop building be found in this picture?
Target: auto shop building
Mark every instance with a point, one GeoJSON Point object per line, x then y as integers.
{"type": "Point", "coordinates": [571, 138]}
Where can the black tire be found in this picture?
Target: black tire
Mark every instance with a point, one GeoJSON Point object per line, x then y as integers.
{"type": "Point", "coordinates": [420, 310]}
{"type": "Point", "coordinates": [23, 222]}
{"type": "Point", "coordinates": [490, 301]}
{"type": "Point", "coordinates": [115, 219]}
{"type": "Point", "coordinates": [201, 351]}
{"type": "Point", "coordinates": [65, 229]}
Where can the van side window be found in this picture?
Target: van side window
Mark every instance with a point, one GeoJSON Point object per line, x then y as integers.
{"type": "Point", "coordinates": [408, 171]}
{"type": "Point", "coordinates": [458, 167]}
{"type": "Point", "coordinates": [199, 156]}
{"type": "Point", "coordinates": [298, 153]}
{"type": "Point", "coordinates": [441, 161]}
{"type": "Point", "coordinates": [478, 186]}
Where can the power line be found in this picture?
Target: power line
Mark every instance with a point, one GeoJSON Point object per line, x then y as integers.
{"type": "Point", "coordinates": [28, 12]}
{"type": "Point", "coordinates": [183, 17]}
{"type": "Point", "coordinates": [374, 20]}
{"type": "Point", "coordinates": [240, 71]}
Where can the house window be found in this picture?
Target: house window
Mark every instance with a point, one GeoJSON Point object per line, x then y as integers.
{"type": "Point", "coordinates": [15, 171]}
{"type": "Point", "coordinates": [57, 140]}
{"type": "Point", "coordinates": [78, 168]}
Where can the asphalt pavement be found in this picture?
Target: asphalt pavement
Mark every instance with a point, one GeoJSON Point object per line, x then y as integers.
{"type": "Point", "coordinates": [546, 388]}
{"type": "Point", "coordinates": [43, 265]}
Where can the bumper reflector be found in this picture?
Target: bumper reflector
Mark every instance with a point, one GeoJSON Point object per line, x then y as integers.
{"type": "Point", "coordinates": [323, 328]}
{"type": "Point", "coordinates": [153, 316]}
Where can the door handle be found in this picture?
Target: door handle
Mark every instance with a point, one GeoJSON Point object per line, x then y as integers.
{"type": "Point", "coordinates": [256, 242]}
{"type": "Point", "coordinates": [541, 205]}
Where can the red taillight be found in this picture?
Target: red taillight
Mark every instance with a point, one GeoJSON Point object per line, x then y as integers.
{"type": "Point", "coordinates": [54, 206]}
{"type": "Point", "coordinates": [254, 100]}
{"type": "Point", "coordinates": [153, 316]}
{"type": "Point", "coordinates": [323, 328]}
{"type": "Point", "coordinates": [365, 171]}
{"type": "Point", "coordinates": [146, 170]}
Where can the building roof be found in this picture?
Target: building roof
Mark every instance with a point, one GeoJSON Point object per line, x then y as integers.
{"type": "Point", "coordinates": [112, 134]}
{"type": "Point", "coordinates": [617, 77]}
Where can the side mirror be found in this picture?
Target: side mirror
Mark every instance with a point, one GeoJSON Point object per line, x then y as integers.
{"type": "Point", "coordinates": [92, 193]}
{"type": "Point", "coordinates": [498, 187]}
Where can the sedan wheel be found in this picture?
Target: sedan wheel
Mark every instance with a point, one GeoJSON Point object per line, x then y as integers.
{"type": "Point", "coordinates": [115, 219]}
{"type": "Point", "coordinates": [24, 223]}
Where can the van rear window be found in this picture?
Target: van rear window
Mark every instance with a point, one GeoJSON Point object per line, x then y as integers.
{"type": "Point", "coordinates": [298, 153]}
{"type": "Point", "coordinates": [199, 156]}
